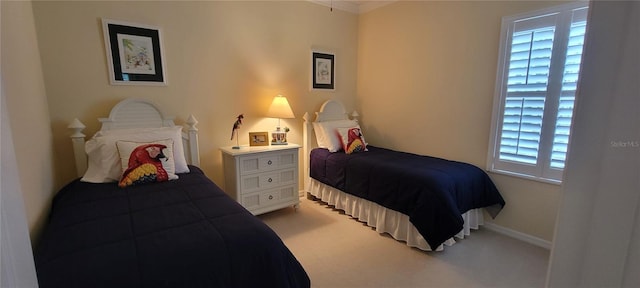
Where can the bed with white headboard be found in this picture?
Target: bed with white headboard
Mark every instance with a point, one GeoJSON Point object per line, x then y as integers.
{"type": "Point", "coordinates": [134, 113]}
{"type": "Point", "coordinates": [181, 231]}
{"type": "Point", "coordinates": [422, 202]}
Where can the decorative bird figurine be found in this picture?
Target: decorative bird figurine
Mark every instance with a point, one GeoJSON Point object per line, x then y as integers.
{"type": "Point", "coordinates": [145, 166]}
{"type": "Point", "coordinates": [236, 125]}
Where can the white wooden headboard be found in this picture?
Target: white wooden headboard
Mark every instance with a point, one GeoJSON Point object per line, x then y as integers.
{"type": "Point", "coordinates": [135, 113]}
{"type": "Point", "coordinates": [331, 110]}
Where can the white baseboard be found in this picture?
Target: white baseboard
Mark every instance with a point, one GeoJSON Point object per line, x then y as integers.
{"type": "Point", "coordinates": [518, 235]}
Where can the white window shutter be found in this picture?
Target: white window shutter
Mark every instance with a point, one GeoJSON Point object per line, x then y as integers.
{"type": "Point", "coordinates": [567, 98]}
{"type": "Point", "coordinates": [523, 131]}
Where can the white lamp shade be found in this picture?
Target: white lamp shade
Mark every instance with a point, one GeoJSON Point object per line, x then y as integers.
{"type": "Point", "coordinates": [280, 108]}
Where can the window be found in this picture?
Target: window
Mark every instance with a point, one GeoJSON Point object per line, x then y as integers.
{"type": "Point", "coordinates": [538, 69]}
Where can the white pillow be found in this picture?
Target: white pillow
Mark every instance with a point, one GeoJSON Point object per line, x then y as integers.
{"type": "Point", "coordinates": [323, 142]}
{"type": "Point", "coordinates": [125, 152]}
{"type": "Point", "coordinates": [104, 161]}
{"type": "Point", "coordinates": [100, 162]}
{"type": "Point", "coordinates": [329, 135]}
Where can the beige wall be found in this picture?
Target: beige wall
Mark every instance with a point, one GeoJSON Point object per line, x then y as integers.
{"type": "Point", "coordinates": [23, 87]}
{"type": "Point", "coordinates": [222, 59]}
{"type": "Point", "coordinates": [431, 67]}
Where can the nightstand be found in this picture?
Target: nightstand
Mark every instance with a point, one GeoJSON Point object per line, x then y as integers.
{"type": "Point", "coordinates": [262, 178]}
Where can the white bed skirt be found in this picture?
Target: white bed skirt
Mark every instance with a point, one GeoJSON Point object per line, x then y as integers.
{"type": "Point", "coordinates": [386, 220]}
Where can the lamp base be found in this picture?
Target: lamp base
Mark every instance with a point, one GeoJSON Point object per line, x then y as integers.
{"type": "Point", "coordinates": [279, 137]}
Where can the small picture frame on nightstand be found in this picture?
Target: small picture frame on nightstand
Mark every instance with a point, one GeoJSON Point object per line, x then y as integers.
{"type": "Point", "coordinates": [258, 138]}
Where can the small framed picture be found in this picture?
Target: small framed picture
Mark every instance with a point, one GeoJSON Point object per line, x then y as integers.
{"type": "Point", "coordinates": [258, 138]}
{"type": "Point", "coordinates": [134, 53]}
{"type": "Point", "coordinates": [322, 71]}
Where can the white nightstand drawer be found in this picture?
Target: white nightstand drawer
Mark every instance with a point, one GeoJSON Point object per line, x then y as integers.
{"type": "Point", "coordinates": [268, 197]}
{"type": "Point", "coordinates": [251, 183]}
{"type": "Point", "coordinates": [267, 161]}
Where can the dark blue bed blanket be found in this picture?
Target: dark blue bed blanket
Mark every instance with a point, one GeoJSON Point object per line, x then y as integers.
{"type": "Point", "coordinates": [433, 192]}
{"type": "Point", "coordinates": [182, 233]}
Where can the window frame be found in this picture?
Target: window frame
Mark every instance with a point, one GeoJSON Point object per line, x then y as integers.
{"type": "Point", "coordinates": [541, 171]}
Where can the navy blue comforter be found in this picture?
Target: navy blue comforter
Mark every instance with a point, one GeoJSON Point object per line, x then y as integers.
{"type": "Point", "coordinates": [182, 233]}
{"type": "Point", "coordinates": [433, 192]}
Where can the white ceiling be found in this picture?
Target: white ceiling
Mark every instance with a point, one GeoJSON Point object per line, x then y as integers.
{"type": "Point", "coordinates": [354, 6]}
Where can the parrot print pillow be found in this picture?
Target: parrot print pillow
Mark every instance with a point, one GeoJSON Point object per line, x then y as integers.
{"type": "Point", "coordinates": [352, 139]}
{"type": "Point", "coordinates": [146, 162]}
{"type": "Point", "coordinates": [104, 162]}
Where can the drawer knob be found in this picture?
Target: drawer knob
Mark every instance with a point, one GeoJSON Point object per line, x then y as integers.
{"type": "Point", "coordinates": [269, 162]}
{"type": "Point", "coordinates": [270, 197]}
{"type": "Point", "coordinates": [270, 180]}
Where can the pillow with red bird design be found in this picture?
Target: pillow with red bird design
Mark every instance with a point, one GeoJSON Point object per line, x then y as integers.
{"type": "Point", "coordinates": [146, 162]}
{"type": "Point", "coordinates": [104, 161]}
{"type": "Point", "coordinates": [352, 139]}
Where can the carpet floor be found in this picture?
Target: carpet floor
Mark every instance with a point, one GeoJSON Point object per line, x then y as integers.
{"type": "Point", "coordinates": [338, 251]}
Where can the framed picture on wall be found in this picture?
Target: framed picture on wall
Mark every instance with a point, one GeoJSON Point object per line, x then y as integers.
{"type": "Point", "coordinates": [322, 71]}
{"type": "Point", "coordinates": [134, 53]}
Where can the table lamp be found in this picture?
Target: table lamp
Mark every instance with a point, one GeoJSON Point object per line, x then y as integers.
{"type": "Point", "coordinates": [280, 109]}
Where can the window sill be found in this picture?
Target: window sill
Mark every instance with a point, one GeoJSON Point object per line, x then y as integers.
{"type": "Point", "coordinates": [525, 176]}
